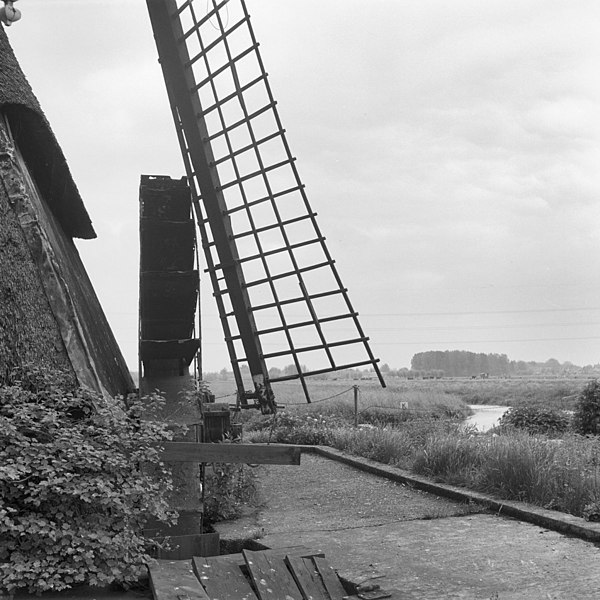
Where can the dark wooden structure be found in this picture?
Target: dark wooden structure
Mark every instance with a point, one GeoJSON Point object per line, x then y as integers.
{"type": "Point", "coordinates": [169, 281]}
{"type": "Point", "coordinates": [49, 313]}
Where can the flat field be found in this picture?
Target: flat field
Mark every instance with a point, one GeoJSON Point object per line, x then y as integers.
{"type": "Point", "coordinates": [446, 396]}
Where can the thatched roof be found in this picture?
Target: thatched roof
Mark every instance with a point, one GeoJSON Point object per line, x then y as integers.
{"type": "Point", "coordinates": [40, 149]}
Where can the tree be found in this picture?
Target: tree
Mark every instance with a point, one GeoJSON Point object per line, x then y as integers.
{"type": "Point", "coordinates": [587, 413]}
{"type": "Point", "coordinates": [274, 372]}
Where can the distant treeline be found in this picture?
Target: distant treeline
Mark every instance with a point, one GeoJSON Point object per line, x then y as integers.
{"type": "Point", "coordinates": [435, 364]}
{"type": "Point", "coordinates": [460, 363]}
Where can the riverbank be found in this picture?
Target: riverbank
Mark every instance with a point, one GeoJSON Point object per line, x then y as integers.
{"type": "Point", "coordinates": [484, 416]}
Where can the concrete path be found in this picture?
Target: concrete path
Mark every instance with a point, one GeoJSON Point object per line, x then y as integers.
{"type": "Point", "coordinates": [426, 547]}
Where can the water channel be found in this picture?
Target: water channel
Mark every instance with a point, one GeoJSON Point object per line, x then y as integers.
{"type": "Point", "coordinates": [485, 416]}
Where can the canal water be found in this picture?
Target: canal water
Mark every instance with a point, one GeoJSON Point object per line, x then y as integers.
{"type": "Point", "coordinates": [485, 416]}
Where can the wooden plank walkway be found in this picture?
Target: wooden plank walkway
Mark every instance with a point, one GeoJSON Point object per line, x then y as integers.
{"type": "Point", "coordinates": [294, 573]}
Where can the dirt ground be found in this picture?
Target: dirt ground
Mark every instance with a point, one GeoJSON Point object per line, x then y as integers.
{"type": "Point", "coordinates": [424, 546]}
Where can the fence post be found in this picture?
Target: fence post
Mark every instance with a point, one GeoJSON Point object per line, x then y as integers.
{"type": "Point", "coordinates": [355, 387]}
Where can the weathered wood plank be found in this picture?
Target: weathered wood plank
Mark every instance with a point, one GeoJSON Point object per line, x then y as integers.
{"type": "Point", "coordinates": [332, 583]}
{"type": "Point", "coordinates": [175, 580]}
{"type": "Point", "coordinates": [187, 546]}
{"type": "Point", "coordinates": [223, 579]}
{"type": "Point", "coordinates": [299, 551]}
{"type": "Point", "coordinates": [271, 578]}
{"type": "Point", "coordinates": [272, 454]}
{"type": "Point", "coordinates": [307, 578]}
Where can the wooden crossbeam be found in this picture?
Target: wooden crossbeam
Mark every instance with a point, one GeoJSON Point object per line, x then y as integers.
{"type": "Point", "coordinates": [272, 454]}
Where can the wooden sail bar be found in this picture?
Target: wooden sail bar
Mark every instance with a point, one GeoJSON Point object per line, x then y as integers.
{"type": "Point", "coordinates": [224, 186]}
{"type": "Point", "coordinates": [216, 73]}
{"type": "Point", "coordinates": [264, 251]}
{"type": "Point", "coordinates": [304, 324]}
{"type": "Point", "coordinates": [244, 259]}
{"type": "Point", "coordinates": [215, 42]}
{"type": "Point", "coordinates": [300, 299]}
{"type": "Point", "coordinates": [239, 151]}
{"type": "Point", "coordinates": [210, 13]}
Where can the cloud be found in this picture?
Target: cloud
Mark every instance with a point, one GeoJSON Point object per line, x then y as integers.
{"type": "Point", "coordinates": [450, 149]}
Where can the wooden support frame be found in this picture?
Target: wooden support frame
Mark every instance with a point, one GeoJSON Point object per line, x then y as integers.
{"type": "Point", "coordinates": [260, 235]}
{"type": "Point", "coordinates": [263, 454]}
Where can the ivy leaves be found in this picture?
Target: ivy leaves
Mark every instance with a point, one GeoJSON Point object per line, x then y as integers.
{"type": "Point", "coordinates": [79, 477]}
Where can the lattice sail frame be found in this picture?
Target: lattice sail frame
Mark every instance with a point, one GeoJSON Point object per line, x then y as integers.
{"type": "Point", "coordinates": [278, 292]}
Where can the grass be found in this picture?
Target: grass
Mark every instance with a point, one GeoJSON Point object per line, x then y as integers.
{"type": "Point", "coordinates": [561, 475]}
{"type": "Point", "coordinates": [393, 404]}
{"type": "Point", "coordinates": [552, 393]}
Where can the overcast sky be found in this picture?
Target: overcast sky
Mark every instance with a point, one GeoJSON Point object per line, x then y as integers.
{"type": "Point", "coordinates": [451, 150]}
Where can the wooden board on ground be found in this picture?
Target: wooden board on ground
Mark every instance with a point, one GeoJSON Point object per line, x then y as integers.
{"type": "Point", "coordinates": [333, 585]}
{"type": "Point", "coordinates": [307, 577]}
{"type": "Point", "coordinates": [299, 551]}
{"type": "Point", "coordinates": [263, 454]}
{"type": "Point", "coordinates": [272, 580]}
{"type": "Point", "coordinates": [175, 580]}
{"type": "Point", "coordinates": [293, 573]}
{"type": "Point", "coordinates": [223, 579]}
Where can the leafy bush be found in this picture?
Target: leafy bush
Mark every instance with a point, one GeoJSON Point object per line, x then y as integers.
{"type": "Point", "coordinates": [288, 428]}
{"type": "Point", "coordinates": [535, 420]}
{"type": "Point", "coordinates": [228, 488]}
{"type": "Point", "coordinates": [587, 413]}
{"type": "Point", "coordinates": [79, 477]}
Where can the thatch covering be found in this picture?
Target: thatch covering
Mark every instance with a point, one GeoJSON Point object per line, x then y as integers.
{"type": "Point", "coordinates": [38, 144]}
{"type": "Point", "coordinates": [29, 333]}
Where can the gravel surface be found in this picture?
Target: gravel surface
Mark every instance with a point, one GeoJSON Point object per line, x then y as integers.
{"type": "Point", "coordinates": [342, 497]}
{"type": "Point", "coordinates": [328, 495]}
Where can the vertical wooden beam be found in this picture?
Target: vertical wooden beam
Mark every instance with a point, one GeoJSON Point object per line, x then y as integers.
{"type": "Point", "coordinates": [186, 104]}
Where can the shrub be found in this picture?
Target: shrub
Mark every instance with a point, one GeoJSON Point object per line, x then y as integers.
{"type": "Point", "coordinates": [288, 428]}
{"type": "Point", "coordinates": [587, 413]}
{"type": "Point", "coordinates": [79, 477]}
{"type": "Point", "coordinates": [535, 420]}
{"type": "Point", "coordinates": [228, 488]}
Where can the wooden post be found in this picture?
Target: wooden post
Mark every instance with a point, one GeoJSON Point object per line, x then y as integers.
{"type": "Point", "coordinates": [356, 392]}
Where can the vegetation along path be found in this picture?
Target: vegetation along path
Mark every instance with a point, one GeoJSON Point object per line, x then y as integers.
{"type": "Point", "coordinates": [425, 546]}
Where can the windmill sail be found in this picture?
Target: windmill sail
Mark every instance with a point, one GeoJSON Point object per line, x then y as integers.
{"type": "Point", "coordinates": [279, 295]}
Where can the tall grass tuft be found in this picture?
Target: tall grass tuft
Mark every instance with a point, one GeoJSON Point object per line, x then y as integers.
{"type": "Point", "coordinates": [516, 466]}
{"type": "Point", "coordinates": [452, 457]}
{"type": "Point", "coordinates": [556, 474]}
{"type": "Point", "coordinates": [389, 445]}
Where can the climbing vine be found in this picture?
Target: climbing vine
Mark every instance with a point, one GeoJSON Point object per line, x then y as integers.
{"type": "Point", "coordinates": [79, 477]}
